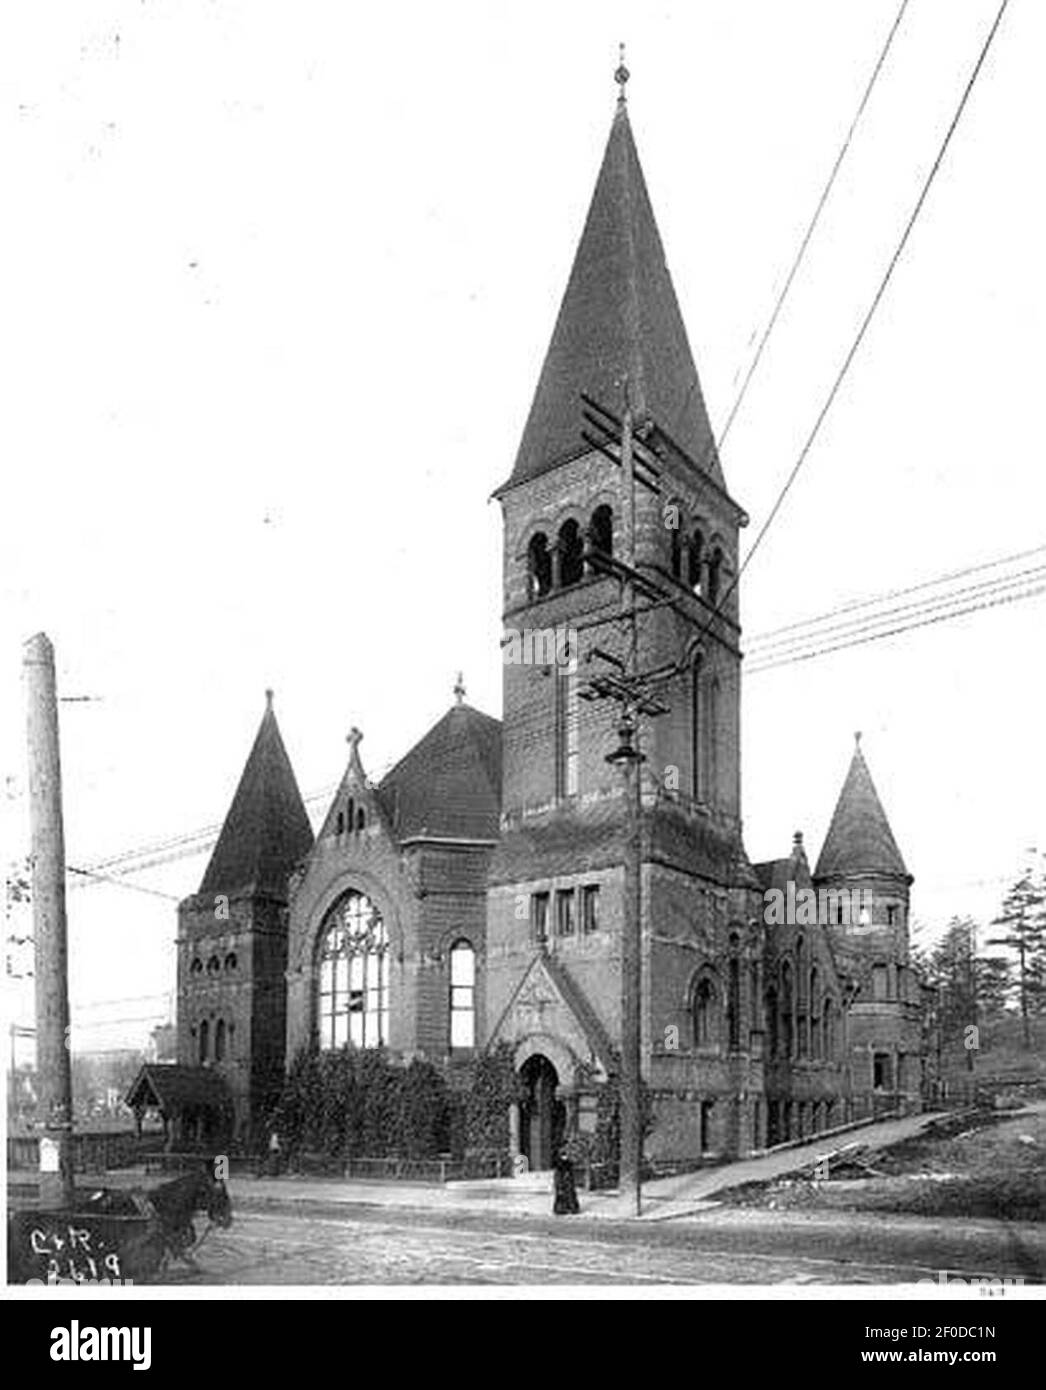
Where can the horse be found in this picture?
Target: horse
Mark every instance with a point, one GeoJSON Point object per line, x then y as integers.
{"type": "Point", "coordinates": [168, 1210]}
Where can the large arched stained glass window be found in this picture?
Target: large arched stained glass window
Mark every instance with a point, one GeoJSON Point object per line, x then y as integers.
{"type": "Point", "coordinates": [354, 975]}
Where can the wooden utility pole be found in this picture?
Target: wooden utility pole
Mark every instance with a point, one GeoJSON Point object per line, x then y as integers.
{"type": "Point", "coordinates": [629, 687]}
{"type": "Point", "coordinates": [54, 1077]}
{"type": "Point", "coordinates": [629, 758]}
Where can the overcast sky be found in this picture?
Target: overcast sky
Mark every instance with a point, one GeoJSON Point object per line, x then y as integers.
{"type": "Point", "coordinates": [278, 281]}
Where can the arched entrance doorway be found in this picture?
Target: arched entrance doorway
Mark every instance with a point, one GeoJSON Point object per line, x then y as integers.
{"type": "Point", "coordinates": [542, 1116]}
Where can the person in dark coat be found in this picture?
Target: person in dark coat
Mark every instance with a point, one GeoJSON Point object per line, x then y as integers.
{"type": "Point", "coordinates": [566, 1203]}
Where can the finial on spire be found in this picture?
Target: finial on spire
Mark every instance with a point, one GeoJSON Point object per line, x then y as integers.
{"type": "Point", "coordinates": [268, 699]}
{"type": "Point", "coordinates": [621, 76]}
{"type": "Point", "coordinates": [459, 688]}
{"type": "Point", "coordinates": [352, 738]}
{"type": "Point", "coordinates": [857, 738]}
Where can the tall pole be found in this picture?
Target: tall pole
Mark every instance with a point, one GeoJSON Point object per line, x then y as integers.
{"type": "Point", "coordinates": [630, 758]}
{"type": "Point", "coordinates": [54, 1077]}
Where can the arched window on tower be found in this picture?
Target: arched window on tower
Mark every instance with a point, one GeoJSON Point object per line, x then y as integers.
{"type": "Point", "coordinates": [674, 524]}
{"type": "Point", "coordinates": [712, 740]}
{"type": "Point", "coordinates": [361, 818]}
{"type": "Point", "coordinates": [694, 560]}
{"type": "Point", "coordinates": [205, 1041]}
{"type": "Point", "coordinates": [354, 975]}
{"type": "Point", "coordinates": [567, 734]}
{"type": "Point", "coordinates": [571, 554]}
{"type": "Point", "coordinates": [715, 576]}
{"type": "Point", "coordinates": [219, 1040]}
{"type": "Point", "coordinates": [704, 1012]}
{"type": "Point", "coordinates": [462, 995]}
{"type": "Point", "coordinates": [601, 531]}
{"type": "Point", "coordinates": [697, 731]}
{"type": "Point", "coordinates": [539, 566]}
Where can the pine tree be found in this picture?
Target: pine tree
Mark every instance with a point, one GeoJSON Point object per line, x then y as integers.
{"type": "Point", "coordinates": [1023, 919]}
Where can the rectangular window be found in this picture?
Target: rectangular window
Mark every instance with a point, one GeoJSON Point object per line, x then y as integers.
{"type": "Point", "coordinates": [881, 1079]}
{"type": "Point", "coordinates": [565, 912]}
{"type": "Point", "coordinates": [539, 916]}
{"type": "Point", "coordinates": [879, 982]}
{"type": "Point", "coordinates": [891, 915]}
{"type": "Point", "coordinates": [590, 908]}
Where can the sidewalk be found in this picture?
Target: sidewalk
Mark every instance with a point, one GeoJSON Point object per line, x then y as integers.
{"type": "Point", "coordinates": [664, 1199]}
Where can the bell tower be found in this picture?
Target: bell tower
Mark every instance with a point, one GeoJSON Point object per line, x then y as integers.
{"type": "Point", "coordinates": [582, 512]}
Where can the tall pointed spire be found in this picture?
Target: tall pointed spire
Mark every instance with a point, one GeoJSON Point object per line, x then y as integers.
{"type": "Point", "coordinates": [859, 839]}
{"type": "Point", "coordinates": [267, 829]}
{"type": "Point", "coordinates": [619, 326]}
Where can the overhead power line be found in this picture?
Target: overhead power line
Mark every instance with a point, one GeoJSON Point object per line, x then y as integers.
{"type": "Point", "coordinates": [874, 600]}
{"type": "Point", "coordinates": [915, 622]}
{"type": "Point", "coordinates": [801, 251]}
{"type": "Point", "coordinates": [877, 298]}
{"type": "Point", "coordinates": [819, 634]}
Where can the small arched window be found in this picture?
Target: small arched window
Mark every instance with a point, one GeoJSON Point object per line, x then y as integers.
{"type": "Point", "coordinates": [361, 818]}
{"type": "Point", "coordinates": [771, 1022]}
{"type": "Point", "coordinates": [197, 966]}
{"type": "Point", "coordinates": [715, 576]}
{"type": "Point", "coordinates": [787, 1007]}
{"type": "Point", "coordinates": [694, 558]}
{"type": "Point", "coordinates": [697, 732]}
{"type": "Point", "coordinates": [204, 1041]}
{"type": "Point", "coordinates": [733, 1005]}
{"type": "Point", "coordinates": [601, 531]}
{"type": "Point", "coordinates": [704, 1012]}
{"type": "Point", "coordinates": [571, 554]}
{"type": "Point", "coordinates": [815, 1016]}
{"type": "Point", "coordinates": [674, 523]}
{"type": "Point", "coordinates": [539, 566]}
{"type": "Point", "coordinates": [214, 965]}
{"type": "Point", "coordinates": [219, 1040]}
{"type": "Point", "coordinates": [462, 995]}
{"type": "Point", "coordinates": [339, 828]}
{"type": "Point", "coordinates": [350, 815]}
{"type": "Point", "coordinates": [230, 961]}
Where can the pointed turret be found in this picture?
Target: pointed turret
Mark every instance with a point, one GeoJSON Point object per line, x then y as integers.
{"type": "Point", "coordinates": [267, 829]}
{"type": "Point", "coordinates": [619, 321]}
{"type": "Point", "coordinates": [859, 839]}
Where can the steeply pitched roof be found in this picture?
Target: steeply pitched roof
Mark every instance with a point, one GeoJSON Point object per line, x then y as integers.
{"type": "Point", "coordinates": [449, 784]}
{"type": "Point", "coordinates": [859, 839]}
{"type": "Point", "coordinates": [619, 318]}
{"type": "Point", "coordinates": [267, 829]}
{"type": "Point", "coordinates": [173, 1087]}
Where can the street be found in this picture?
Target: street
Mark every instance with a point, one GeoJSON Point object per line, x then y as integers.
{"type": "Point", "coordinates": [361, 1244]}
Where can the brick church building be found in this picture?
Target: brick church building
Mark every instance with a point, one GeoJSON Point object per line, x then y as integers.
{"type": "Point", "coordinates": [475, 895]}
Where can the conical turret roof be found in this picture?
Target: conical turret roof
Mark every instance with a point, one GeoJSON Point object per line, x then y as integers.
{"type": "Point", "coordinates": [619, 320]}
{"type": "Point", "coordinates": [859, 839]}
{"type": "Point", "coordinates": [266, 830]}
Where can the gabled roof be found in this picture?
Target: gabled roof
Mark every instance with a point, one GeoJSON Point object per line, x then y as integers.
{"type": "Point", "coordinates": [172, 1088]}
{"type": "Point", "coordinates": [778, 873]}
{"type": "Point", "coordinates": [267, 829]}
{"type": "Point", "coordinates": [449, 784]}
{"type": "Point", "coordinates": [859, 839]}
{"type": "Point", "coordinates": [619, 319]}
